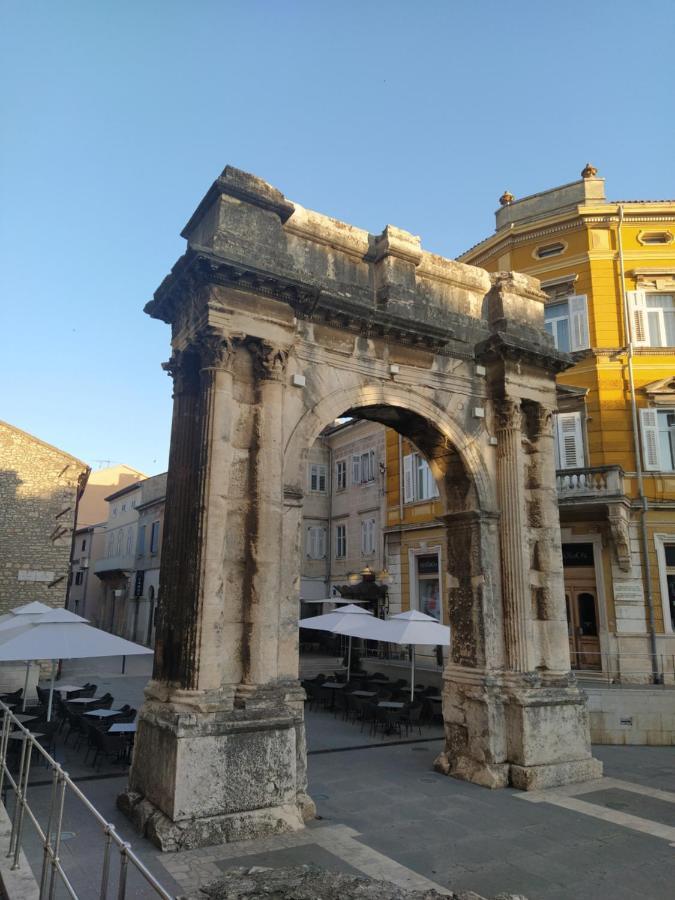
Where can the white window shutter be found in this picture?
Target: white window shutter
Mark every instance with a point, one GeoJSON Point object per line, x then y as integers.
{"type": "Point", "coordinates": [637, 308]}
{"type": "Point", "coordinates": [408, 489]}
{"type": "Point", "coordinates": [308, 543]}
{"type": "Point", "coordinates": [570, 440]}
{"type": "Point", "coordinates": [322, 543]}
{"type": "Point", "coordinates": [649, 426]}
{"type": "Point", "coordinates": [356, 470]}
{"type": "Point", "coordinates": [578, 313]}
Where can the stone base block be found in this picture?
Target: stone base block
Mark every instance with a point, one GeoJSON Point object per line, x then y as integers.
{"type": "Point", "coordinates": [489, 775]}
{"type": "Point", "coordinates": [209, 830]}
{"type": "Point", "coordinates": [536, 778]}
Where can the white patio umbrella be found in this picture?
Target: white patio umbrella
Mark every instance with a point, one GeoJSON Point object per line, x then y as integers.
{"type": "Point", "coordinates": [351, 621]}
{"type": "Point", "coordinates": [35, 612]}
{"type": "Point", "coordinates": [56, 636]}
{"type": "Point", "coordinates": [413, 628]}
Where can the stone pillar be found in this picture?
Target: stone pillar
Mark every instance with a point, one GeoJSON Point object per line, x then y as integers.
{"type": "Point", "coordinates": [261, 623]}
{"type": "Point", "coordinates": [220, 745]}
{"type": "Point", "coordinates": [513, 542]}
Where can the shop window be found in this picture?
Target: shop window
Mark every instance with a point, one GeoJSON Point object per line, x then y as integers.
{"type": "Point", "coordinates": [567, 323]}
{"type": "Point", "coordinates": [428, 585]}
{"type": "Point", "coordinates": [658, 439]}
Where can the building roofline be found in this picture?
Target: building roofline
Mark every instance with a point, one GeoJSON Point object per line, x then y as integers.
{"type": "Point", "coordinates": [125, 490]}
{"type": "Point", "coordinates": [38, 440]}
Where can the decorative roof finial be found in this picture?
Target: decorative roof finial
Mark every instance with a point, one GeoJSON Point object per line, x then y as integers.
{"type": "Point", "coordinates": [506, 198]}
{"type": "Point", "coordinates": [589, 171]}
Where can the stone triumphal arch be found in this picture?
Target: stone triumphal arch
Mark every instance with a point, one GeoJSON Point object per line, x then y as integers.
{"type": "Point", "coordinates": [282, 320]}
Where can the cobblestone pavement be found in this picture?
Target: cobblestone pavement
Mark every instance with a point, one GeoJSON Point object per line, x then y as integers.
{"type": "Point", "coordinates": [384, 812]}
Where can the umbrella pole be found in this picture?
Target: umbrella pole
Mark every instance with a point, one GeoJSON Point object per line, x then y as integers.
{"type": "Point", "coordinates": [412, 676]}
{"type": "Point", "coordinates": [25, 687]}
{"type": "Point", "coordinates": [51, 692]}
{"type": "Point", "coordinates": [349, 659]}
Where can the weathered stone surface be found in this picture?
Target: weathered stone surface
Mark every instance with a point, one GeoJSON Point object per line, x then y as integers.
{"type": "Point", "coordinates": [312, 883]}
{"type": "Point", "coordinates": [266, 292]}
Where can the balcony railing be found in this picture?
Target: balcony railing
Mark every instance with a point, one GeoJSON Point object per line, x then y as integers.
{"type": "Point", "coordinates": [596, 482]}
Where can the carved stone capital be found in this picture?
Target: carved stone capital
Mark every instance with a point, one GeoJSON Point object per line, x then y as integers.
{"type": "Point", "coordinates": [269, 360]}
{"type": "Point", "coordinates": [182, 367]}
{"type": "Point", "coordinates": [508, 415]}
{"type": "Point", "coordinates": [217, 351]}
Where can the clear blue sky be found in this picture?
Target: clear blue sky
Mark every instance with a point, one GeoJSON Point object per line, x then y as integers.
{"type": "Point", "coordinates": [116, 117]}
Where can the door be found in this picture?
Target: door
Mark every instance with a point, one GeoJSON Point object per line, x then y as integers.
{"type": "Point", "coordinates": [582, 624]}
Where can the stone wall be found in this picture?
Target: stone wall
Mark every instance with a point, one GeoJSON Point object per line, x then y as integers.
{"type": "Point", "coordinates": [639, 715]}
{"type": "Point", "coordinates": [39, 487]}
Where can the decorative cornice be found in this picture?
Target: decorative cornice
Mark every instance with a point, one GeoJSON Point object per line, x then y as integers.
{"type": "Point", "coordinates": [503, 345]}
{"type": "Point", "coordinates": [353, 313]}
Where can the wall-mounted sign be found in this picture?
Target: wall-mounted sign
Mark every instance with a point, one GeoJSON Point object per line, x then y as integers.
{"type": "Point", "coordinates": [577, 555]}
{"type": "Point", "coordinates": [34, 575]}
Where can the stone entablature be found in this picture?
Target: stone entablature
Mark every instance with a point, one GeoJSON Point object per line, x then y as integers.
{"type": "Point", "coordinates": [282, 321]}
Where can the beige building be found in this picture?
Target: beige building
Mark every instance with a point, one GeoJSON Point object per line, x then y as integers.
{"type": "Point", "coordinates": [40, 487]}
{"type": "Point", "coordinates": [142, 604]}
{"type": "Point", "coordinates": [343, 508]}
{"type": "Point", "coordinates": [93, 508]}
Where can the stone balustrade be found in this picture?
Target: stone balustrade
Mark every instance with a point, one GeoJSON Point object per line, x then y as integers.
{"type": "Point", "coordinates": [589, 481]}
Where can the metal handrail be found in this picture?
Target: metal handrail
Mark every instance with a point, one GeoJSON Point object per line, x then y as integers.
{"type": "Point", "coordinates": [52, 835]}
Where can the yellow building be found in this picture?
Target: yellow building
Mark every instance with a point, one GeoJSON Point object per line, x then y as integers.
{"type": "Point", "coordinates": [609, 271]}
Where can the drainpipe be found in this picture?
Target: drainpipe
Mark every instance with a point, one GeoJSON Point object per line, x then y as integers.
{"type": "Point", "coordinates": [329, 534]}
{"type": "Point", "coordinates": [637, 444]}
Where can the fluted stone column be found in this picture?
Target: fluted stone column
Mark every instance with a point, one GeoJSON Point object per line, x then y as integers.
{"type": "Point", "coordinates": [261, 612]}
{"type": "Point", "coordinates": [513, 535]}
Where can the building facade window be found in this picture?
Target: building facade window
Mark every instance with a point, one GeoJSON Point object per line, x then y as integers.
{"type": "Point", "coordinates": [546, 250]}
{"type": "Point", "coordinates": [154, 537]}
{"type": "Point", "coordinates": [340, 541]}
{"type": "Point", "coordinates": [363, 467]}
{"type": "Point", "coordinates": [658, 439]}
{"type": "Point", "coordinates": [84, 545]}
{"type": "Point", "coordinates": [130, 541]}
{"type": "Point", "coordinates": [569, 442]}
{"type": "Point", "coordinates": [341, 475]}
{"type": "Point", "coordinates": [567, 323]}
{"type": "Point", "coordinates": [652, 318]}
{"type": "Point", "coordinates": [140, 543]}
{"type": "Point", "coordinates": [368, 537]}
{"type": "Point", "coordinates": [316, 542]}
{"type": "Point", "coordinates": [427, 574]}
{"type": "Point", "coordinates": [318, 476]}
{"type": "Point", "coordinates": [79, 577]}
{"type": "Point", "coordinates": [418, 480]}
{"type": "Point", "coordinates": [118, 543]}
{"type": "Point", "coordinates": [665, 555]}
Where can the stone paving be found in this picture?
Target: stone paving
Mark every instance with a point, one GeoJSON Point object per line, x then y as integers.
{"type": "Point", "coordinates": [385, 813]}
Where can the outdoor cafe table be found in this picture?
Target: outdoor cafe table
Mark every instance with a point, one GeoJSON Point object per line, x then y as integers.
{"type": "Point", "coordinates": [68, 688]}
{"type": "Point", "coordinates": [334, 686]}
{"type": "Point", "coordinates": [83, 700]}
{"type": "Point", "coordinates": [364, 693]}
{"type": "Point", "coordinates": [19, 735]}
{"type": "Point", "coordinates": [122, 728]}
{"type": "Point", "coordinates": [435, 698]}
{"type": "Point", "coordinates": [390, 704]}
{"type": "Point", "coordinates": [24, 717]}
{"type": "Point", "coordinates": [102, 713]}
